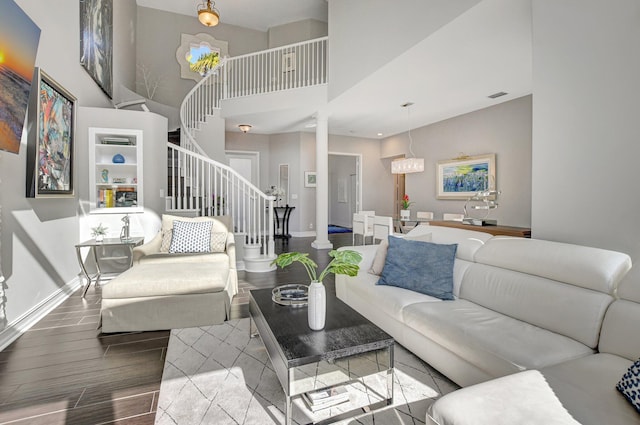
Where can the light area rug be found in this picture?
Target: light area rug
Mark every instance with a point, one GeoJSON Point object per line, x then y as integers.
{"type": "Point", "coordinates": [220, 375]}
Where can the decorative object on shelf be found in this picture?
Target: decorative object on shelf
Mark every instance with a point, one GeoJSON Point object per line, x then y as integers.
{"type": "Point", "coordinates": [405, 213]}
{"type": "Point", "coordinates": [50, 162]}
{"type": "Point", "coordinates": [119, 180]}
{"type": "Point", "coordinates": [99, 232]}
{"type": "Point", "coordinates": [411, 164]}
{"type": "Point", "coordinates": [244, 128]}
{"type": "Point", "coordinates": [464, 176]}
{"type": "Point", "coordinates": [343, 262]}
{"type": "Point", "coordinates": [309, 179]}
{"type": "Point", "coordinates": [292, 295]}
{"type": "Point", "coordinates": [478, 207]}
{"type": "Point", "coordinates": [124, 232]}
{"type": "Point", "coordinates": [104, 174]}
{"type": "Point", "coordinates": [208, 15]}
{"type": "Point", "coordinates": [20, 37]}
{"type": "Point", "coordinates": [96, 42]}
{"type": "Point", "coordinates": [118, 159]}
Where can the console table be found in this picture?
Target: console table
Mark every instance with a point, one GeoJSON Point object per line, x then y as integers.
{"type": "Point", "coordinates": [281, 217]}
{"type": "Point", "coordinates": [497, 230]}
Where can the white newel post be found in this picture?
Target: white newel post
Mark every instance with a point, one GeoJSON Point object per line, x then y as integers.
{"type": "Point", "coordinates": [322, 182]}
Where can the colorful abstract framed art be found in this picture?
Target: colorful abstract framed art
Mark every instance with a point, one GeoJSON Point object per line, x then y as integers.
{"type": "Point", "coordinates": [19, 37]}
{"type": "Point", "coordinates": [463, 177]}
{"type": "Point", "coordinates": [50, 158]}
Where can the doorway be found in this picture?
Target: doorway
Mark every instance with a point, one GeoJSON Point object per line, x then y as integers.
{"type": "Point", "coordinates": [345, 194]}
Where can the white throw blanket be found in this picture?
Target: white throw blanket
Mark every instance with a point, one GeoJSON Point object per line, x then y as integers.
{"type": "Point", "coordinates": [523, 398]}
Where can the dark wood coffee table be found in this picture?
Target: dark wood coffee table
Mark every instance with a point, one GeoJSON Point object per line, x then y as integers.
{"type": "Point", "coordinates": [348, 349]}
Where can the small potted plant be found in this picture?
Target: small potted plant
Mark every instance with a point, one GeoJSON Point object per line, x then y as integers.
{"type": "Point", "coordinates": [343, 262]}
{"type": "Point", "coordinates": [99, 232]}
{"type": "Point", "coordinates": [404, 212]}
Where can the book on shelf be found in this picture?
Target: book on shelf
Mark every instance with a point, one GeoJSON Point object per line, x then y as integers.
{"type": "Point", "coordinates": [126, 197]}
{"type": "Point", "coordinates": [116, 141]}
{"type": "Point", "coordinates": [328, 397]}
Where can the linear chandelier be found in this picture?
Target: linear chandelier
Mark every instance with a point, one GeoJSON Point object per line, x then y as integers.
{"type": "Point", "coordinates": [412, 164]}
{"type": "Point", "coordinates": [208, 15]}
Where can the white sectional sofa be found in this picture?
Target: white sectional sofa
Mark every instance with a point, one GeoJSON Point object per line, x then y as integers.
{"type": "Point", "coordinates": [520, 304]}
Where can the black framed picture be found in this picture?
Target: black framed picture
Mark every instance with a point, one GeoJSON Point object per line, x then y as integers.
{"type": "Point", "coordinates": [51, 144]}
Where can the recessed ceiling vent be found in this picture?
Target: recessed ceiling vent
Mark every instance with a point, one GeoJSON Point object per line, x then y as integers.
{"type": "Point", "coordinates": [496, 95]}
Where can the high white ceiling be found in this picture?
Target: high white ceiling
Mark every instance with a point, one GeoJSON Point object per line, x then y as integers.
{"type": "Point", "coordinates": [484, 51]}
{"type": "Point", "coordinates": [256, 14]}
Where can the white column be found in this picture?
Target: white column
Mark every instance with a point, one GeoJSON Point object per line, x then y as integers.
{"type": "Point", "coordinates": [322, 182]}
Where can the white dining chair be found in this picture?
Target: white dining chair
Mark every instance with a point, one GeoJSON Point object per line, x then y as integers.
{"type": "Point", "coordinates": [425, 215]}
{"type": "Point", "coordinates": [363, 226]}
{"type": "Point", "coordinates": [382, 227]}
{"type": "Point", "coordinates": [452, 217]}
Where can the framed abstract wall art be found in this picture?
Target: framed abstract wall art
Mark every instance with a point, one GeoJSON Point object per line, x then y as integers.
{"type": "Point", "coordinates": [462, 177]}
{"type": "Point", "coordinates": [19, 38]}
{"type": "Point", "coordinates": [51, 140]}
{"type": "Point", "coordinates": [96, 41]}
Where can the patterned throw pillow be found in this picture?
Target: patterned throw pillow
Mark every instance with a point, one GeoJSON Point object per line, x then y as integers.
{"type": "Point", "coordinates": [629, 385]}
{"type": "Point", "coordinates": [218, 241]}
{"type": "Point", "coordinates": [191, 237]}
{"type": "Point", "coordinates": [166, 240]}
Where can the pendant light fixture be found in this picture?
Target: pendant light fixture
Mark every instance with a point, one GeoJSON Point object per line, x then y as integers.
{"type": "Point", "coordinates": [208, 15]}
{"type": "Point", "coordinates": [411, 164]}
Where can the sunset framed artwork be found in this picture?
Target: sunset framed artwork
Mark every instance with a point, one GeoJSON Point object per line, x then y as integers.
{"type": "Point", "coordinates": [463, 177]}
{"type": "Point", "coordinates": [51, 145]}
{"type": "Point", "coordinates": [18, 47]}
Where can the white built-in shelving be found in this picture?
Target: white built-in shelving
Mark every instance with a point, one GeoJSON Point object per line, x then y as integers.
{"type": "Point", "coordinates": [115, 170]}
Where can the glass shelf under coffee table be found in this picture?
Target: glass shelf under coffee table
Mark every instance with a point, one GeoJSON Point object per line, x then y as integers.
{"type": "Point", "coordinates": [349, 349]}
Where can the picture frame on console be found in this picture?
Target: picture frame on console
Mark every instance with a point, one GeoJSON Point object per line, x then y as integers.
{"type": "Point", "coordinates": [463, 177]}
{"type": "Point", "coordinates": [51, 139]}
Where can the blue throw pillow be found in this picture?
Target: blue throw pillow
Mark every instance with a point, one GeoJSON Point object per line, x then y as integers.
{"type": "Point", "coordinates": [423, 267]}
{"type": "Point", "coordinates": [629, 385]}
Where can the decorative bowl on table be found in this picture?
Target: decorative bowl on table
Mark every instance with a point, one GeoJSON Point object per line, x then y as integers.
{"type": "Point", "coordinates": [292, 295]}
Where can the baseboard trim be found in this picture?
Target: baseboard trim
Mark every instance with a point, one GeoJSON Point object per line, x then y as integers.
{"type": "Point", "coordinates": [308, 234]}
{"type": "Point", "coordinates": [31, 317]}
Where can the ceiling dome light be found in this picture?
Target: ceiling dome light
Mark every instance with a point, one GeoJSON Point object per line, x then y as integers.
{"type": "Point", "coordinates": [244, 128]}
{"type": "Point", "coordinates": [208, 15]}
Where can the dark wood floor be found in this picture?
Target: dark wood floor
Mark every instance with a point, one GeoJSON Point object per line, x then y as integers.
{"type": "Point", "coordinates": [64, 371]}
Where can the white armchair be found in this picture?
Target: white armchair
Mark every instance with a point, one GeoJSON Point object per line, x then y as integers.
{"type": "Point", "coordinates": [363, 226]}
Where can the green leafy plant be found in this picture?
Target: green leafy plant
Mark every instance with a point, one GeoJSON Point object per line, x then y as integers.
{"type": "Point", "coordinates": [344, 262]}
{"type": "Point", "coordinates": [99, 230]}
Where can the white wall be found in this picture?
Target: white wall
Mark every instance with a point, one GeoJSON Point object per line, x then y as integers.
{"type": "Point", "coordinates": [38, 235]}
{"type": "Point", "coordinates": [585, 123]}
{"type": "Point", "coordinates": [295, 32]}
{"type": "Point", "coordinates": [372, 32]}
{"type": "Point", "coordinates": [154, 178]}
{"type": "Point", "coordinates": [504, 129]}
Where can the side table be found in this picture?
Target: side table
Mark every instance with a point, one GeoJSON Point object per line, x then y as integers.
{"type": "Point", "coordinates": [93, 246]}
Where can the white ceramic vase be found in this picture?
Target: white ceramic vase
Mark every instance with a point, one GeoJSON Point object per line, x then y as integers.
{"type": "Point", "coordinates": [317, 307]}
{"type": "Point", "coordinates": [405, 214]}
{"type": "Point", "coordinates": [99, 238]}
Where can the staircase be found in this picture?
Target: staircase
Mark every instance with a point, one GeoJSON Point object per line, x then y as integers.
{"type": "Point", "coordinates": [202, 186]}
